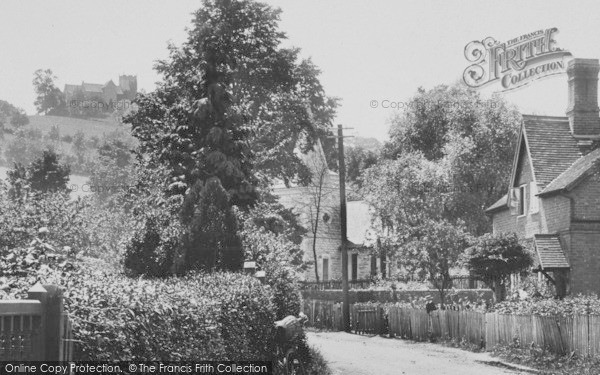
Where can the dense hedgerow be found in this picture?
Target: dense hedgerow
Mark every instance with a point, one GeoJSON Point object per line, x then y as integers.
{"type": "Point", "coordinates": [223, 316]}
{"type": "Point", "coordinates": [576, 305]}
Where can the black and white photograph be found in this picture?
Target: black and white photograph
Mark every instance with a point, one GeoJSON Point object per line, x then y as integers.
{"type": "Point", "coordinates": [299, 187]}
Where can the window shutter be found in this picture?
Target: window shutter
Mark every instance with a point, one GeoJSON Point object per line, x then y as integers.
{"type": "Point", "coordinates": [535, 201]}
{"type": "Point", "coordinates": [514, 200]}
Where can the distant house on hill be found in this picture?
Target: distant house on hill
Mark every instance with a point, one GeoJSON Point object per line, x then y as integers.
{"type": "Point", "coordinates": [554, 195]}
{"type": "Point", "coordinates": [318, 207]}
{"type": "Point", "coordinates": [105, 93]}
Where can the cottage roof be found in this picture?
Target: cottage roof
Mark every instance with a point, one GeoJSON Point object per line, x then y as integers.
{"type": "Point", "coordinates": [550, 254]}
{"type": "Point", "coordinates": [551, 146]}
{"type": "Point", "coordinates": [576, 173]}
{"type": "Point", "coordinates": [70, 89]}
{"type": "Point", "coordinates": [92, 87]}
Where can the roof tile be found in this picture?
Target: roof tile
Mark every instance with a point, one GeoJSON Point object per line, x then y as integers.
{"type": "Point", "coordinates": [549, 252]}
{"type": "Point", "coordinates": [552, 148]}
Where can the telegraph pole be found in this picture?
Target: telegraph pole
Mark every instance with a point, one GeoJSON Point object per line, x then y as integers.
{"type": "Point", "coordinates": [344, 229]}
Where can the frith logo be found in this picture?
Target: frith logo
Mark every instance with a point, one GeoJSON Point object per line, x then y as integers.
{"type": "Point", "coordinates": [515, 63]}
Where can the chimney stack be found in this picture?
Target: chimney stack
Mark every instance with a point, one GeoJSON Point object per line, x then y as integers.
{"type": "Point", "coordinates": [583, 111]}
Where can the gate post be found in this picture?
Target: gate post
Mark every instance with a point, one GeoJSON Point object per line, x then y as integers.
{"type": "Point", "coordinates": [51, 298]}
{"type": "Point", "coordinates": [37, 292]}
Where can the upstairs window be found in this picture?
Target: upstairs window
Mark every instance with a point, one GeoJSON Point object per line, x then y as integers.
{"type": "Point", "coordinates": [522, 199]}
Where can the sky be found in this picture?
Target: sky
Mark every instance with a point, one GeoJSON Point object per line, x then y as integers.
{"type": "Point", "coordinates": [368, 52]}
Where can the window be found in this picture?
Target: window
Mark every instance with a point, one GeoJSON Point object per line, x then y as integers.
{"type": "Point", "coordinates": [522, 194]}
{"type": "Point", "coordinates": [373, 265]}
{"type": "Point", "coordinates": [354, 267]}
{"type": "Point", "coordinates": [534, 202]}
{"type": "Point", "coordinates": [325, 269]}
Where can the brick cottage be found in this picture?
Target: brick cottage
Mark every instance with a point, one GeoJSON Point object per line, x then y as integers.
{"type": "Point", "coordinates": [554, 194]}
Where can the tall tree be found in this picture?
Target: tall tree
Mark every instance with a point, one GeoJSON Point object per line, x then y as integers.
{"type": "Point", "coordinates": [471, 137]}
{"type": "Point", "coordinates": [49, 98]}
{"type": "Point", "coordinates": [272, 102]}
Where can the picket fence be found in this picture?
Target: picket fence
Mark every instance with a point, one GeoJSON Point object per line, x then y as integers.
{"type": "Point", "coordinates": [561, 335]}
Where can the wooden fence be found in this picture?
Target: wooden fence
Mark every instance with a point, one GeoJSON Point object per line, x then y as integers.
{"type": "Point", "coordinates": [579, 334]}
{"type": "Point", "coordinates": [35, 329]}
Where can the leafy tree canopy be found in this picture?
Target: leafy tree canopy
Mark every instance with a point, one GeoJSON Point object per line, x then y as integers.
{"type": "Point", "coordinates": [470, 137]}
{"type": "Point", "coordinates": [43, 174]}
{"type": "Point", "coordinates": [49, 100]}
{"type": "Point", "coordinates": [233, 104]}
{"type": "Point", "coordinates": [494, 257]}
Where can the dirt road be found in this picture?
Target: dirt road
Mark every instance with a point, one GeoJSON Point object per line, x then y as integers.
{"type": "Point", "coordinates": [350, 354]}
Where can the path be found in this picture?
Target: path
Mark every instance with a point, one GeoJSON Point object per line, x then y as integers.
{"type": "Point", "coordinates": [350, 354]}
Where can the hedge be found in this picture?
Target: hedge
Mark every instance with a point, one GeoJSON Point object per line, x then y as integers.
{"type": "Point", "coordinates": [389, 296]}
{"type": "Point", "coordinates": [222, 316]}
{"type": "Point", "coordinates": [573, 305]}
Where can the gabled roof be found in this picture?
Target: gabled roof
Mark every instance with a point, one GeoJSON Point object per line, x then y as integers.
{"type": "Point", "coordinates": [71, 88]}
{"type": "Point", "coordinates": [551, 151]}
{"type": "Point", "coordinates": [576, 173]}
{"type": "Point", "coordinates": [92, 87]}
{"type": "Point", "coordinates": [549, 252]}
{"type": "Point", "coordinates": [551, 146]}
{"type": "Point", "coordinates": [500, 204]}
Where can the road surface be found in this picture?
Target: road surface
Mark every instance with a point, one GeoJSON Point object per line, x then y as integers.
{"type": "Point", "coordinates": [350, 354]}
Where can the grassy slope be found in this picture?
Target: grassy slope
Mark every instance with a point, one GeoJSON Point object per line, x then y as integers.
{"type": "Point", "coordinates": [70, 125]}
{"type": "Point", "coordinates": [67, 126]}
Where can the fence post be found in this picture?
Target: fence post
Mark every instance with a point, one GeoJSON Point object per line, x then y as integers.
{"type": "Point", "coordinates": [37, 292]}
{"type": "Point", "coordinates": [51, 298]}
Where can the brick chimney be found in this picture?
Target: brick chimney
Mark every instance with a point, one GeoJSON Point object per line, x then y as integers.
{"type": "Point", "coordinates": [583, 112]}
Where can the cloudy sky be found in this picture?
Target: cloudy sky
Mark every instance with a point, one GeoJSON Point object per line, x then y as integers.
{"type": "Point", "coordinates": [368, 51]}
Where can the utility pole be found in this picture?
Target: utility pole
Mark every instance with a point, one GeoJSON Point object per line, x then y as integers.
{"type": "Point", "coordinates": [344, 229]}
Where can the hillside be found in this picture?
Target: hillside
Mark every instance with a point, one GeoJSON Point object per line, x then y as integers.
{"type": "Point", "coordinates": [70, 125]}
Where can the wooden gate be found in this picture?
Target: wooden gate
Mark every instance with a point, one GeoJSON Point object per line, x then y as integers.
{"type": "Point", "coordinates": [35, 329]}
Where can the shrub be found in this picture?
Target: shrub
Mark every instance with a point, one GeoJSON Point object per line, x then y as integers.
{"type": "Point", "coordinates": [222, 316]}
{"type": "Point", "coordinates": [152, 250]}
{"type": "Point", "coordinates": [21, 219]}
{"type": "Point", "coordinates": [200, 317]}
{"type": "Point", "coordinates": [44, 173]}
{"type": "Point", "coordinates": [494, 257]}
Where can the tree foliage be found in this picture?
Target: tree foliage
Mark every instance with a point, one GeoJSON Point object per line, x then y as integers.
{"type": "Point", "coordinates": [9, 114]}
{"type": "Point", "coordinates": [433, 251]}
{"type": "Point", "coordinates": [270, 101]}
{"type": "Point", "coordinates": [494, 257]}
{"type": "Point", "coordinates": [49, 100]}
{"type": "Point", "coordinates": [212, 241]}
{"type": "Point", "coordinates": [472, 138]}
{"type": "Point", "coordinates": [44, 174]}
{"type": "Point", "coordinates": [227, 118]}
